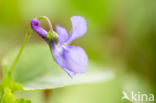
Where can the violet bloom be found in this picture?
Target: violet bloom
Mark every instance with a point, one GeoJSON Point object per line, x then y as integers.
{"type": "Point", "coordinates": [72, 59]}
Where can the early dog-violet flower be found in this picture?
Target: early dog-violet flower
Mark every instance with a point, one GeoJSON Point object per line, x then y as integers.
{"type": "Point", "coordinates": [72, 59]}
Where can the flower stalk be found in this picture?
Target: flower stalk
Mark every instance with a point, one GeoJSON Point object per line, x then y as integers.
{"type": "Point", "coordinates": [48, 21]}
{"type": "Point", "coordinates": [21, 50]}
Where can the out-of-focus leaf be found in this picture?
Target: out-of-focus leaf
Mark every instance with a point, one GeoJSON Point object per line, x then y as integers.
{"type": "Point", "coordinates": [21, 100]}
{"type": "Point", "coordinates": [37, 70]}
{"type": "Point", "coordinates": [103, 92]}
{"type": "Point", "coordinates": [96, 93]}
{"type": "Point", "coordinates": [34, 96]}
{"type": "Point", "coordinates": [9, 98]}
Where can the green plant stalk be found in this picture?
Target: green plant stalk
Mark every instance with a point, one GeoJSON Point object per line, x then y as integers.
{"type": "Point", "coordinates": [48, 21]}
{"type": "Point", "coordinates": [26, 40]}
{"type": "Point", "coordinates": [51, 34]}
{"type": "Point", "coordinates": [21, 50]}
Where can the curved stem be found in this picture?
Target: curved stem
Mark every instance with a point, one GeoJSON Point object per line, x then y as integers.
{"type": "Point", "coordinates": [21, 50]}
{"type": "Point", "coordinates": [50, 42]}
{"type": "Point", "coordinates": [48, 21]}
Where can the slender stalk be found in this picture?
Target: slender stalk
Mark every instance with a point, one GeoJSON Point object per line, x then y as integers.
{"type": "Point", "coordinates": [26, 40]}
{"type": "Point", "coordinates": [51, 31]}
{"type": "Point", "coordinates": [50, 48]}
{"type": "Point", "coordinates": [48, 21]}
{"type": "Point", "coordinates": [21, 50]}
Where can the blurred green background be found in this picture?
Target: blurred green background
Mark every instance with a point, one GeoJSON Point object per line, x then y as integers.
{"type": "Point", "coordinates": [121, 35]}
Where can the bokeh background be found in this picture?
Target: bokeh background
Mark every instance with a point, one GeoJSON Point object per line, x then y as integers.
{"type": "Point", "coordinates": [121, 35]}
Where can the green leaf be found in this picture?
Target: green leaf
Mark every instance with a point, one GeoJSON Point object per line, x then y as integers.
{"type": "Point", "coordinates": [21, 100]}
{"type": "Point", "coordinates": [7, 85]}
{"type": "Point", "coordinates": [9, 98]}
{"type": "Point", "coordinates": [36, 69]}
{"type": "Point", "coordinates": [34, 96]}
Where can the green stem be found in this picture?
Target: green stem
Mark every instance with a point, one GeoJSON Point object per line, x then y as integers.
{"type": "Point", "coordinates": [48, 21]}
{"type": "Point", "coordinates": [21, 50]}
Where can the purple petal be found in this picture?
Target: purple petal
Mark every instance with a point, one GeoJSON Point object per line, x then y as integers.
{"type": "Point", "coordinates": [79, 28]}
{"type": "Point", "coordinates": [72, 59]}
{"type": "Point", "coordinates": [36, 27]}
{"type": "Point", "coordinates": [63, 34]}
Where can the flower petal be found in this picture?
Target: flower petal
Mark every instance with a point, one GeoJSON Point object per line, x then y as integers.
{"type": "Point", "coordinates": [63, 34]}
{"type": "Point", "coordinates": [72, 59]}
{"type": "Point", "coordinates": [36, 27]}
{"type": "Point", "coordinates": [79, 28]}
{"type": "Point", "coordinates": [71, 74]}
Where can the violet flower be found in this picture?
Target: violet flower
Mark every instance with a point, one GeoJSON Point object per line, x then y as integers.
{"type": "Point", "coordinates": [72, 59]}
